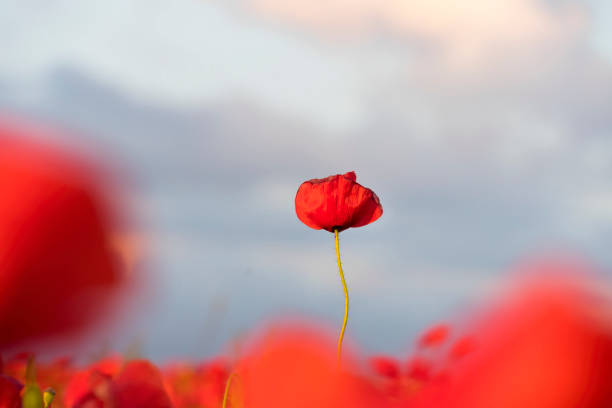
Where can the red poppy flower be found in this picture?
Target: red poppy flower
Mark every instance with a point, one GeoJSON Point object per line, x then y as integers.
{"type": "Point", "coordinates": [297, 368]}
{"type": "Point", "coordinates": [139, 385]}
{"type": "Point", "coordinates": [90, 400]}
{"type": "Point", "coordinates": [548, 346]}
{"type": "Point", "coordinates": [91, 382]}
{"type": "Point", "coordinates": [336, 202]}
{"type": "Point", "coordinates": [420, 369]}
{"type": "Point", "coordinates": [57, 263]}
{"type": "Point", "coordinates": [9, 392]}
{"type": "Point", "coordinates": [385, 366]}
{"type": "Point", "coordinates": [434, 336]}
{"type": "Point", "coordinates": [462, 347]}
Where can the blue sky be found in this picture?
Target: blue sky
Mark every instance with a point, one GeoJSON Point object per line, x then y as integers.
{"type": "Point", "coordinates": [485, 130]}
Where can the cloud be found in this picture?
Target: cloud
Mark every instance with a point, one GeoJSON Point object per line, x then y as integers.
{"type": "Point", "coordinates": [182, 53]}
{"type": "Point", "coordinates": [464, 32]}
{"type": "Point", "coordinates": [510, 79]}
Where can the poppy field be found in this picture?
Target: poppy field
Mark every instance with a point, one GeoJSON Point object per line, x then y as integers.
{"type": "Point", "coordinates": [544, 342]}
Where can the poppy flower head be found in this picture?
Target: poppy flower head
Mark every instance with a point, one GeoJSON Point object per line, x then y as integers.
{"type": "Point", "coordinates": [297, 367]}
{"type": "Point", "coordinates": [58, 268]}
{"type": "Point", "coordinates": [9, 392]}
{"type": "Point", "coordinates": [386, 367]}
{"type": "Point", "coordinates": [420, 369]}
{"type": "Point", "coordinates": [434, 336]}
{"type": "Point", "coordinates": [462, 347]}
{"type": "Point", "coordinates": [336, 202]}
{"type": "Point", "coordinates": [546, 345]}
{"type": "Point", "coordinates": [139, 385]}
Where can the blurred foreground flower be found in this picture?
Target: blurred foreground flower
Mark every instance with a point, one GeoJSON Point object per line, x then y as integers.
{"type": "Point", "coordinates": [139, 385]}
{"type": "Point", "coordinates": [297, 368]}
{"type": "Point", "coordinates": [547, 345]}
{"type": "Point", "coordinates": [10, 390]}
{"type": "Point", "coordinates": [434, 336]}
{"type": "Point", "coordinates": [57, 264]}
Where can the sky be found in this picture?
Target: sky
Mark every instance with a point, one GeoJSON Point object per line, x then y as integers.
{"type": "Point", "coordinates": [484, 128]}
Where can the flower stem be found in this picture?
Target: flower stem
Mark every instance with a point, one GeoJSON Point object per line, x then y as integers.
{"type": "Point", "coordinates": [227, 389]}
{"type": "Point", "coordinates": [346, 298]}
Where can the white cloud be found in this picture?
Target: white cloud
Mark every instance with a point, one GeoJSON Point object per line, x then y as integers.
{"type": "Point", "coordinates": [465, 32]}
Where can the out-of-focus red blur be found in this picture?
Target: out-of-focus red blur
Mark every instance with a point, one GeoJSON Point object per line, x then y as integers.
{"type": "Point", "coordinates": [9, 392]}
{"type": "Point", "coordinates": [58, 266]}
{"type": "Point", "coordinates": [296, 367]}
{"type": "Point", "coordinates": [139, 385]}
{"type": "Point", "coordinates": [434, 336]}
{"type": "Point", "coordinates": [548, 344]}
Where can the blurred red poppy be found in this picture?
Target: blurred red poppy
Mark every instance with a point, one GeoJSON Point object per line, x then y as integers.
{"type": "Point", "coordinates": [57, 265]}
{"type": "Point", "coordinates": [10, 390]}
{"type": "Point", "coordinates": [298, 368]}
{"type": "Point", "coordinates": [462, 347]}
{"type": "Point", "coordinates": [434, 336]}
{"type": "Point", "coordinates": [89, 400]}
{"type": "Point", "coordinates": [336, 202]}
{"type": "Point", "coordinates": [92, 383]}
{"type": "Point", "coordinates": [420, 369]}
{"type": "Point", "coordinates": [548, 346]}
{"type": "Point", "coordinates": [385, 366]}
{"type": "Point", "coordinates": [213, 375]}
{"type": "Point", "coordinates": [139, 385]}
